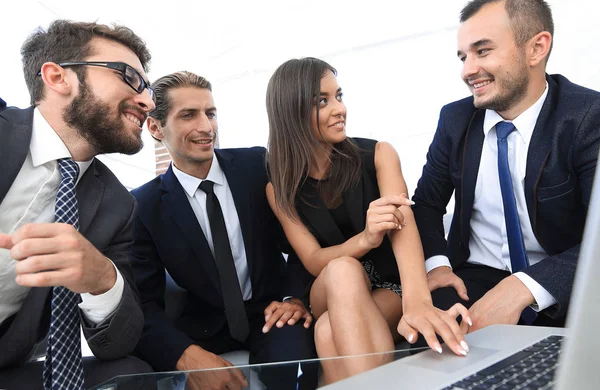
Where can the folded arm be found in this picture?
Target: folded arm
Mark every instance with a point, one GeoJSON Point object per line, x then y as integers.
{"type": "Point", "coordinates": [116, 336]}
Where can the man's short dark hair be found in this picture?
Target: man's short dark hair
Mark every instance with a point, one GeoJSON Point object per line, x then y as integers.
{"type": "Point", "coordinates": [163, 85]}
{"type": "Point", "coordinates": [527, 17]}
{"type": "Point", "coordinates": [65, 41]}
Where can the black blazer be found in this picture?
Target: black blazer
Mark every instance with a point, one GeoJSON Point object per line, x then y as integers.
{"type": "Point", "coordinates": [560, 169]}
{"type": "Point", "coordinates": [106, 213]}
{"type": "Point", "coordinates": [168, 236]}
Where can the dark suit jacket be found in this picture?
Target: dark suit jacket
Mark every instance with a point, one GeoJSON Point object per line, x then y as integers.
{"type": "Point", "coordinates": [2, 104]}
{"type": "Point", "coordinates": [168, 236]}
{"type": "Point", "coordinates": [560, 169]}
{"type": "Point", "coordinates": [106, 213]}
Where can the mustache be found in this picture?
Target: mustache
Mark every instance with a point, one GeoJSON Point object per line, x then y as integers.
{"type": "Point", "coordinates": [129, 107]}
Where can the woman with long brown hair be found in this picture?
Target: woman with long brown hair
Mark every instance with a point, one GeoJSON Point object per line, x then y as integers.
{"type": "Point", "coordinates": [342, 204]}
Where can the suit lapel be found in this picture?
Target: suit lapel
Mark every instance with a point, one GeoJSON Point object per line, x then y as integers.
{"type": "Point", "coordinates": [15, 137]}
{"type": "Point", "coordinates": [176, 203]}
{"type": "Point", "coordinates": [239, 184]}
{"type": "Point", "coordinates": [15, 133]}
{"type": "Point", "coordinates": [539, 150]}
{"type": "Point", "coordinates": [24, 332]}
{"type": "Point", "coordinates": [90, 191]}
{"type": "Point", "coordinates": [470, 168]}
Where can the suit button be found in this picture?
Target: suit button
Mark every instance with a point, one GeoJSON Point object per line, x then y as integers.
{"type": "Point", "coordinates": [206, 332]}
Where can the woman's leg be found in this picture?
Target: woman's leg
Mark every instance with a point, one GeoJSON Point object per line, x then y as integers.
{"type": "Point", "coordinates": [333, 369]}
{"type": "Point", "coordinates": [356, 324]}
{"type": "Point", "coordinates": [390, 305]}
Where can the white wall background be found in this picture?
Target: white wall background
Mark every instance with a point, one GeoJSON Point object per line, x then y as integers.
{"type": "Point", "coordinates": [396, 59]}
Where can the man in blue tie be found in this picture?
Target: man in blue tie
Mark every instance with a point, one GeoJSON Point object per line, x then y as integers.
{"type": "Point", "coordinates": [65, 220]}
{"type": "Point", "coordinates": [519, 156]}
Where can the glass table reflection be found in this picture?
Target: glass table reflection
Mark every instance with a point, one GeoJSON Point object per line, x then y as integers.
{"type": "Point", "coordinates": [250, 377]}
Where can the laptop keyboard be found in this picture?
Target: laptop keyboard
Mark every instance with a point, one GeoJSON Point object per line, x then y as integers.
{"type": "Point", "coordinates": [531, 368]}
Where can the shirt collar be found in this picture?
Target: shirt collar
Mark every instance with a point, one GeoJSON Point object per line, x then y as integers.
{"type": "Point", "coordinates": [47, 146]}
{"type": "Point", "coordinates": [524, 123]}
{"type": "Point", "coordinates": [190, 183]}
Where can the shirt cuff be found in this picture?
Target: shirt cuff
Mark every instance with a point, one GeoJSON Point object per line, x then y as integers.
{"type": "Point", "coordinates": [287, 298]}
{"type": "Point", "coordinates": [543, 299]}
{"type": "Point", "coordinates": [436, 261]}
{"type": "Point", "coordinates": [97, 307]}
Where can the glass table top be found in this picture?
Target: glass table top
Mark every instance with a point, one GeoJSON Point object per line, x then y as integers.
{"type": "Point", "coordinates": [293, 375]}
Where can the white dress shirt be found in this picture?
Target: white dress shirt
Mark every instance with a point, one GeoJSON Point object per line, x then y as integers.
{"type": "Point", "coordinates": [31, 199]}
{"type": "Point", "coordinates": [488, 242]}
{"type": "Point", "coordinates": [197, 199]}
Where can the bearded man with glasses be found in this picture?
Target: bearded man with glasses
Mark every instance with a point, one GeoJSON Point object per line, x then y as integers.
{"type": "Point", "coordinates": [65, 220]}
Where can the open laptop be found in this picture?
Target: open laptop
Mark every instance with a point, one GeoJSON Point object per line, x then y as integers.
{"type": "Point", "coordinates": [499, 352]}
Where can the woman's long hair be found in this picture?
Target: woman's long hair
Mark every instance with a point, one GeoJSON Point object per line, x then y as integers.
{"type": "Point", "coordinates": [293, 91]}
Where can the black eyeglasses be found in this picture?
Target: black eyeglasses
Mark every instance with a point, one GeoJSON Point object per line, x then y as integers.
{"type": "Point", "coordinates": [130, 76]}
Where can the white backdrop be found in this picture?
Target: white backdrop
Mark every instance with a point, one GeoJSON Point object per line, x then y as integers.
{"type": "Point", "coordinates": [396, 59]}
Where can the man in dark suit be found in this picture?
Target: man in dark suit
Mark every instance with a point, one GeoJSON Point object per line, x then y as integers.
{"type": "Point", "coordinates": [520, 156]}
{"type": "Point", "coordinates": [56, 277]}
{"type": "Point", "coordinates": [232, 271]}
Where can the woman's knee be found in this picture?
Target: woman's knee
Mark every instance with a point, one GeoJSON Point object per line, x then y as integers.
{"type": "Point", "coordinates": [344, 273]}
{"type": "Point", "coordinates": [343, 278]}
{"type": "Point", "coordinates": [343, 269]}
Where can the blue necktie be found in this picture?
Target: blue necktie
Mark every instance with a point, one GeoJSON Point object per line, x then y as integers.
{"type": "Point", "coordinates": [63, 367]}
{"type": "Point", "coordinates": [516, 245]}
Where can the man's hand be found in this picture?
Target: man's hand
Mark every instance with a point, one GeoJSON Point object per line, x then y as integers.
{"type": "Point", "coordinates": [196, 358]}
{"type": "Point", "coordinates": [56, 254]}
{"type": "Point", "coordinates": [444, 277]}
{"type": "Point", "coordinates": [423, 317]}
{"type": "Point", "coordinates": [501, 305]}
{"type": "Point", "coordinates": [289, 312]}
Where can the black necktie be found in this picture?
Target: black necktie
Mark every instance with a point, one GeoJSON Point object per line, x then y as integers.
{"type": "Point", "coordinates": [235, 310]}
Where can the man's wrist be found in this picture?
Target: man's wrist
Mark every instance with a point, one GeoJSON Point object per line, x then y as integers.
{"type": "Point", "coordinates": [108, 279]}
{"type": "Point", "coordinates": [436, 261]}
{"type": "Point", "coordinates": [182, 363]}
{"type": "Point", "coordinates": [519, 291]}
{"type": "Point", "coordinates": [543, 298]}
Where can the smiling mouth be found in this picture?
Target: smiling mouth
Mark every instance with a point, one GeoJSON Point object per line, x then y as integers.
{"type": "Point", "coordinates": [481, 84]}
{"type": "Point", "coordinates": [338, 125]}
{"type": "Point", "coordinates": [202, 142]}
{"type": "Point", "coordinates": [134, 119]}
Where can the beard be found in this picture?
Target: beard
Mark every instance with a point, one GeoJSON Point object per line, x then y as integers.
{"type": "Point", "coordinates": [512, 89]}
{"type": "Point", "coordinates": [92, 119]}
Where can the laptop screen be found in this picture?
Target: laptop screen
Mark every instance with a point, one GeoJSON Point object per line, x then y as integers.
{"type": "Point", "coordinates": [580, 358]}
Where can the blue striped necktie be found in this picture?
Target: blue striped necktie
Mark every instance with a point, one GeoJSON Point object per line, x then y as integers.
{"type": "Point", "coordinates": [63, 367]}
